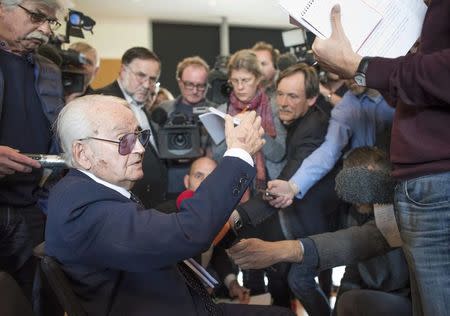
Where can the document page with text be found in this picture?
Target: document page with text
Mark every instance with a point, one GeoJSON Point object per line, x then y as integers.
{"type": "Point", "coordinates": [395, 33]}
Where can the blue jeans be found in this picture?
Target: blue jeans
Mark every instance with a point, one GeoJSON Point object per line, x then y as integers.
{"type": "Point", "coordinates": [423, 213]}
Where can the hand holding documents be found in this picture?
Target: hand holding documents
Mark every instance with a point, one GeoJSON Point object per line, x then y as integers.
{"type": "Point", "coordinates": [385, 28]}
{"type": "Point", "coordinates": [214, 122]}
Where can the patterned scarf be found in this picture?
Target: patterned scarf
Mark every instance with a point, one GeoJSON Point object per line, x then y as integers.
{"type": "Point", "coordinates": [260, 103]}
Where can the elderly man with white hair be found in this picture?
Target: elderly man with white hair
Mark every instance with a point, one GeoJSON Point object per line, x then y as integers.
{"type": "Point", "coordinates": [121, 258]}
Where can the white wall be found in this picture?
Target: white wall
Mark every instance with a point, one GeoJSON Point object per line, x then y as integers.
{"type": "Point", "coordinates": [113, 36]}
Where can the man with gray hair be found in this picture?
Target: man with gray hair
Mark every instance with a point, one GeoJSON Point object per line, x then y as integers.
{"type": "Point", "coordinates": [30, 95]}
{"type": "Point", "coordinates": [121, 258]}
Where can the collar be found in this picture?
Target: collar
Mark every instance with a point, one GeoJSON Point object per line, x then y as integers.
{"type": "Point", "coordinates": [129, 99]}
{"type": "Point", "coordinates": [114, 187]}
{"type": "Point", "coordinates": [29, 56]}
{"type": "Point", "coordinates": [372, 95]}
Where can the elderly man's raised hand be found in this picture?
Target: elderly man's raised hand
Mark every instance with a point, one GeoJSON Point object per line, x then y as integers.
{"type": "Point", "coordinates": [12, 161]}
{"type": "Point", "coordinates": [247, 135]}
{"type": "Point", "coordinates": [335, 54]}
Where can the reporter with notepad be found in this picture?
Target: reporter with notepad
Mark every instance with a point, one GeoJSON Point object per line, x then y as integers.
{"type": "Point", "coordinates": [246, 77]}
{"type": "Point", "coordinates": [418, 86]}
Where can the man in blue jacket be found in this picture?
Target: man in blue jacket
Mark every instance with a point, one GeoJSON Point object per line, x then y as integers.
{"type": "Point", "coordinates": [123, 259]}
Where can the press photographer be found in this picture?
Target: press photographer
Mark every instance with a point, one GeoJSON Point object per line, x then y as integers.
{"type": "Point", "coordinates": [186, 138]}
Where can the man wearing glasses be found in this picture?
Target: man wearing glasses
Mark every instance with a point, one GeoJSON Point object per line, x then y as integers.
{"type": "Point", "coordinates": [137, 80]}
{"type": "Point", "coordinates": [124, 259]}
{"type": "Point", "coordinates": [192, 77]}
{"type": "Point", "coordinates": [30, 95]}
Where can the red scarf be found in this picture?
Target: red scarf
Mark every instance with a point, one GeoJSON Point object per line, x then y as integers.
{"type": "Point", "coordinates": [260, 103]}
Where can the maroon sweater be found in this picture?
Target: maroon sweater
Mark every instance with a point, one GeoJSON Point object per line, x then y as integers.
{"type": "Point", "coordinates": [419, 86]}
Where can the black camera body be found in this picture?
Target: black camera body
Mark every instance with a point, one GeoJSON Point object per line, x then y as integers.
{"type": "Point", "coordinates": [179, 139]}
{"type": "Point", "coordinates": [70, 61]}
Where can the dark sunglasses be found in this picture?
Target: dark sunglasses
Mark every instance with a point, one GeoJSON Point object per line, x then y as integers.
{"type": "Point", "coordinates": [127, 141]}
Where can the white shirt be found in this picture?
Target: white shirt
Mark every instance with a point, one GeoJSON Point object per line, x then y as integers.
{"type": "Point", "coordinates": [139, 114]}
{"type": "Point", "coordinates": [121, 190]}
{"type": "Point", "coordinates": [232, 152]}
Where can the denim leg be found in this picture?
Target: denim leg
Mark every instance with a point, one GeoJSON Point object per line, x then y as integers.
{"type": "Point", "coordinates": [302, 284]}
{"type": "Point", "coordinates": [423, 214]}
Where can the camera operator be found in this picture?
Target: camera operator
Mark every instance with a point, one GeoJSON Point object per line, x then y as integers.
{"type": "Point", "coordinates": [92, 65]}
{"type": "Point", "coordinates": [192, 77]}
{"type": "Point", "coordinates": [138, 77]}
{"type": "Point", "coordinates": [30, 96]}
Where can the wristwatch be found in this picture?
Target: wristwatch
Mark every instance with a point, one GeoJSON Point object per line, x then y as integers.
{"type": "Point", "coordinates": [329, 96]}
{"type": "Point", "coordinates": [360, 77]}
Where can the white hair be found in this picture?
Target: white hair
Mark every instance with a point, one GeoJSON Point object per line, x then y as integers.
{"type": "Point", "coordinates": [57, 5]}
{"type": "Point", "coordinates": [80, 119]}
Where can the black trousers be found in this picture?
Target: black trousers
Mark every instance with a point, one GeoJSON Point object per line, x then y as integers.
{"type": "Point", "coordinates": [21, 229]}
{"type": "Point", "coordinates": [373, 303]}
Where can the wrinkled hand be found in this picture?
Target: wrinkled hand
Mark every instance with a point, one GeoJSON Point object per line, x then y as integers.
{"type": "Point", "coordinates": [239, 292]}
{"type": "Point", "coordinates": [12, 161]}
{"type": "Point", "coordinates": [335, 54]}
{"type": "Point", "coordinates": [247, 135]}
{"type": "Point", "coordinates": [255, 253]}
{"type": "Point", "coordinates": [283, 192]}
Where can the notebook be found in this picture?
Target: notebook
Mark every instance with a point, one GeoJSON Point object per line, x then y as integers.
{"type": "Point", "coordinates": [359, 19]}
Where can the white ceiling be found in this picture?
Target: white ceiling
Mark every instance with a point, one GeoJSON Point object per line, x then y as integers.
{"type": "Point", "coordinates": [260, 13]}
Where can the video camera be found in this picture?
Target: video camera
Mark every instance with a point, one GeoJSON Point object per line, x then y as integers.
{"type": "Point", "coordinates": [69, 61]}
{"type": "Point", "coordinates": [299, 42]}
{"type": "Point", "coordinates": [219, 90]}
{"type": "Point", "coordinates": [180, 136]}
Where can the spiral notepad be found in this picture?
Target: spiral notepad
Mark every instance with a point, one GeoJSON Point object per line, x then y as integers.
{"type": "Point", "coordinates": [359, 19]}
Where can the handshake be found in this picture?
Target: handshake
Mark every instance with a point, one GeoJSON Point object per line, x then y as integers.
{"type": "Point", "coordinates": [248, 135]}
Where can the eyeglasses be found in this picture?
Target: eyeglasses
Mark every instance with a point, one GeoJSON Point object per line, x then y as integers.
{"type": "Point", "coordinates": [40, 18]}
{"type": "Point", "coordinates": [191, 86]}
{"type": "Point", "coordinates": [141, 77]}
{"type": "Point", "coordinates": [244, 81]}
{"type": "Point", "coordinates": [127, 141]}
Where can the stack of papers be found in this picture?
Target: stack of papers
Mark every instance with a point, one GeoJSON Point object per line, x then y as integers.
{"type": "Point", "coordinates": [385, 28]}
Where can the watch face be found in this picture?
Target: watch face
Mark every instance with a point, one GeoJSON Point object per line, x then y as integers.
{"type": "Point", "coordinates": [360, 80]}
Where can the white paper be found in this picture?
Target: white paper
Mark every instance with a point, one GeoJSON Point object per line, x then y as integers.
{"type": "Point", "coordinates": [315, 15]}
{"type": "Point", "coordinates": [203, 275]}
{"type": "Point", "coordinates": [393, 36]}
{"type": "Point", "coordinates": [214, 122]}
{"type": "Point", "coordinates": [398, 30]}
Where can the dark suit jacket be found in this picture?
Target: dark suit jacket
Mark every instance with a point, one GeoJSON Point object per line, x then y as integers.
{"type": "Point", "coordinates": [120, 258]}
{"type": "Point", "coordinates": [152, 189]}
{"type": "Point", "coordinates": [310, 215]}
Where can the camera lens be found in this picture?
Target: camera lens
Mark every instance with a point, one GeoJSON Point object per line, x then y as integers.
{"type": "Point", "coordinates": [180, 141]}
